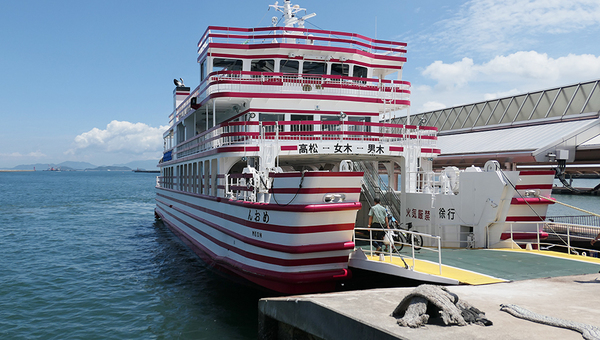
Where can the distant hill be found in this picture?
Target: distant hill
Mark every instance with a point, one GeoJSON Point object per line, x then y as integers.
{"type": "Point", "coordinates": [77, 165]}
{"type": "Point", "coordinates": [62, 166]}
{"type": "Point", "coordinates": [72, 165]}
{"type": "Point", "coordinates": [142, 165]}
{"type": "Point", "coordinates": [109, 168]}
{"type": "Point", "coordinates": [38, 166]}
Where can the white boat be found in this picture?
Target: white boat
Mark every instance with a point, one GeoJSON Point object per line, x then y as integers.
{"type": "Point", "coordinates": [262, 173]}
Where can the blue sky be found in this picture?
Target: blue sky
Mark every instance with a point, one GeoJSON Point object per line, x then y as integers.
{"type": "Point", "coordinates": [92, 81]}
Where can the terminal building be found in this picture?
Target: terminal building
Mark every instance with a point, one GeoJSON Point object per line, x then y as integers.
{"type": "Point", "coordinates": [555, 128]}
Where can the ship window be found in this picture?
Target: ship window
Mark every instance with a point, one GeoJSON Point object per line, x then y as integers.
{"type": "Point", "coordinates": [311, 67]}
{"type": "Point", "coordinates": [289, 66]}
{"type": "Point", "coordinates": [340, 70]}
{"type": "Point", "coordinates": [359, 127]}
{"type": "Point", "coordinates": [269, 117]}
{"type": "Point", "coordinates": [302, 127]}
{"type": "Point", "coordinates": [220, 64]}
{"type": "Point", "coordinates": [330, 127]}
{"type": "Point", "coordinates": [360, 72]}
{"type": "Point", "coordinates": [267, 65]}
{"type": "Point", "coordinates": [202, 70]}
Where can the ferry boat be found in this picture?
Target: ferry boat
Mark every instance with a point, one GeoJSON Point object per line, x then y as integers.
{"type": "Point", "coordinates": [264, 167]}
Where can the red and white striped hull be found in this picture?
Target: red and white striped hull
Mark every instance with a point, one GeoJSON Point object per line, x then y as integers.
{"type": "Point", "coordinates": [292, 249]}
{"type": "Point", "coordinates": [524, 209]}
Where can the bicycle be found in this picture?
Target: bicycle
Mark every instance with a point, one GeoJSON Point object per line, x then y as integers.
{"type": "Point", "coordinates": [401, 238]}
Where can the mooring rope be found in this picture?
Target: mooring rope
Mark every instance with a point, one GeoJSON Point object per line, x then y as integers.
{"type": "Point", "coordinates": [589, 332]}
{"type": "Point", "coordinates": [567, 205]}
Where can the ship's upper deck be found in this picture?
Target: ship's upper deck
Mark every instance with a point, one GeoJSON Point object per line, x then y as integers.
{"type": "Point", "coordinates": [328, 70]}
{"type": "Point", "coordinates": [289, 84]}
{"type": "Point", "coordinates": [301, 39]}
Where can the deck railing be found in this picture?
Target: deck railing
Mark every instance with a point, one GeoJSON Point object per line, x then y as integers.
{"type": "Point", "coordinates": [392, 252]}
{"type": "Point", "coordinates": [299, 36]}
{"type": "Point", "coordinates": [252, 132]}
{"type": "Point", "coordinates": [589, 220]}
{"type": "Point", "coordinates": [393, 92]}
{"type": "Point", "coordinates": [562, 235]}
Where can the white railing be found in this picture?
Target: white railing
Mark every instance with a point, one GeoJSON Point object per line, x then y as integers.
{"type": "Point", "coordinates": [431, 182]}
{"type": "Point", "coordinates": [563, 234]}
{"type": "Point", "coordinates": [297, 35]}
{"type": "Point", "coordinates": [395, 93]}
{"type": "Point", "coordinates": [251, 132]}
{"type": "Point", "coordinates": [392, 253]}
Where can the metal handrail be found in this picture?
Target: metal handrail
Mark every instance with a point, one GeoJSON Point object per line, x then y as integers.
{"type": "Point", "coordinates": [373, 184]}
{"type": "Point", "coordinates": [587, 220]}
{"type": "Point", "coordinates": [571, 232]}
{"type": "Point", "coordinates": [437, 248]}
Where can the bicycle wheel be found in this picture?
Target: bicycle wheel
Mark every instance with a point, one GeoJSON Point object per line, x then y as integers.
{"type": "Point", "coordinates": [418, 239]}
{"type": "Point", "coordinates": [399, 241]}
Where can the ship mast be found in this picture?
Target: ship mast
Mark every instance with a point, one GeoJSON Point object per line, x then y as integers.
{"type": "Point", "coordinates": [289, 13]}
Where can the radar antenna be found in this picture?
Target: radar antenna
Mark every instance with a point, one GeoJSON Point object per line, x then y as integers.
{"type": "Point", "coordinates": [289, 13]}
{"type": "Point", "coordinates": [179, 83]}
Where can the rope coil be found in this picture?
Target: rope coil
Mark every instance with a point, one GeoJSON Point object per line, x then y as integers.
{"type": "Point", "coordinates": [587, 331]}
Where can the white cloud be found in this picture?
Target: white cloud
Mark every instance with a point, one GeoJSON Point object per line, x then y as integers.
{"type": "Point", "coordinates": [450, 75]}
{"type": "Point", "coordinates": [136, 139]}
{"type": "Point", "coordinates": [432, 106]}
{"type": "Point", "coordinates": [18, 155]}
{"type": "Point", "coordinates": [501, 25]}
{"type": "Point", "coordinates": [536, 70]}
{"type": "Point", "coordinates": [490, 96]}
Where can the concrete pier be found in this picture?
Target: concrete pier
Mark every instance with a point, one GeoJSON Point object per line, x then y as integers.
{"type": "Point", "coordinates": [580, 191]}
{"type": "Point", "coordinates": [366, 314]}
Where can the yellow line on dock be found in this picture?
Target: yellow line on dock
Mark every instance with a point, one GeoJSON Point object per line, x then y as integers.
{"type": "Point", "coordinates": [461, 275]}
{"type": "Point", "coordinates": [555, 254]}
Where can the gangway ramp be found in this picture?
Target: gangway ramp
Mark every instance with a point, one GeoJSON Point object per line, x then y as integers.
{"type": "Point", "coordinates": [479, 266]}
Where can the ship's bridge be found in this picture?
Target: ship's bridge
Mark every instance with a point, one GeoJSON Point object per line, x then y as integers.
{"type": "Point", "coordinates": [294, 71]}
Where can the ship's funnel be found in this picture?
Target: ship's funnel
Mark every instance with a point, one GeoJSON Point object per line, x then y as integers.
{"type": "Point", "coordinates": [179, 95]}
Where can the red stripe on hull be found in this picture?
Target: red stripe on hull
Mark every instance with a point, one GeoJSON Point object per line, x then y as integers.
{"type": "Point", "coordinates": [312, 248]}
{"type": "Point", "coordinates": [300, 208]}
{"type": "Point", "coordinates": [524, 236]}
{"type": "Point", "coordinates": [267, 227]}
{"type": "Point", "coordinates": [537, 173]}
{"type": "Point", "coordinates": [285, 283]}
{"type": "Point", "coordinates": [263, 258]}
{"type": "Point", "coordinates": [238, 149]}
{"type": "Point", "coordinates": [275, 207]}
{"type": "Point", "coordinates": [317, 174]}
{"type": "Point", "coordinates": [312, 112]}
{"type": "Point", "coordinates": [530, 200]}
{"type": "Point", "coordinates": [304, 96]}
{"type": "Point", "coordinates": [525, 218]}
{"type": "Point", "coordinates": [533, 186]}
{"type": "Point", "coordinates": [214, 45]}
{"type": "Point", "coordinates": [213, 152]}
{"type": "Point", "coordinates": [313, 190]}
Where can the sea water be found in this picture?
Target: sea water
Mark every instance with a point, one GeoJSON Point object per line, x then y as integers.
{"type": "Point", "coordinates": [585, 202]}
{"type": "Point", "coordinates": [82, 257]}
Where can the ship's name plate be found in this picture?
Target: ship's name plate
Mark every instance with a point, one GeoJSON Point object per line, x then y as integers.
{"type": "Point", "coordinates": [343, 148]}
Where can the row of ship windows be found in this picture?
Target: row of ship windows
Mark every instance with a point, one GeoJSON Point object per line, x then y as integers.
{"type": "Point", "coordinates": [182, 134]}
{"type": "Point", "coordinates": [285, 66]}
{"type": "Point", "coordinates": [270, 117]}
